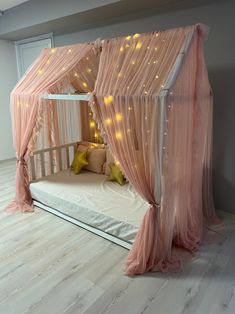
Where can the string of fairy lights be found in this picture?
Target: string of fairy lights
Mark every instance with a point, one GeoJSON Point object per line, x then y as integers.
{"type": "Point", "coordinates": [137, 44]}
{"type": "Point", "coordinates": [109, 99]}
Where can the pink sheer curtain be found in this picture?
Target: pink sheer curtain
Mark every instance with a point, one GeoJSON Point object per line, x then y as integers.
{"type": "Point", "coordinates": [54, 70]}
{"type": "Point", "coordinates": [161, 135]}
{"type": "Point", "coordinates": [126, 104]}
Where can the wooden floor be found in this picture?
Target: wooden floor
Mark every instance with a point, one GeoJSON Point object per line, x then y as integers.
{"type": "Point", "coordinates": [50, 266]}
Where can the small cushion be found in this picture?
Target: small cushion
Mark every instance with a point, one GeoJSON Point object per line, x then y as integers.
{"type": "Point", "coordinates": [116, 174]}
{"type": "Point", "coordinates": [90, 144]}
{"type": "Point", "coordinates": [96, 159]}
{"type": "Point", "coordinates": [95, 156]}
{"type": "Point", "coordinates": [79, 161]}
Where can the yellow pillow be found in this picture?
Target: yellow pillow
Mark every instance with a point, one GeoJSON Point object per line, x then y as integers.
{"type": "Point", "coordinates": [116, 174]}
{"type": "Point", "coordinates": [79, 161]}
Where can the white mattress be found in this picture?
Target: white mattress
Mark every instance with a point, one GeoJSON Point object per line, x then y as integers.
{"type": "Point", "coordinates": [91, 199]}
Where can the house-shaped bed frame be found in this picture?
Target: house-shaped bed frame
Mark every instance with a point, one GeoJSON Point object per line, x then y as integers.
{"type": "Point", "coordinates": [151, 98]}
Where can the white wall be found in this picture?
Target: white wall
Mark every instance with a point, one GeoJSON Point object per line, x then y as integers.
{"type": "Point", "coordinates": [220, 56]}
{"type": "Point", "coordinates": [8, 78]}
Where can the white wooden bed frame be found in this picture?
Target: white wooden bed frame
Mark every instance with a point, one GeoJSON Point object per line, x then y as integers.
{"type": "Point", "coordinates": [86, 97]}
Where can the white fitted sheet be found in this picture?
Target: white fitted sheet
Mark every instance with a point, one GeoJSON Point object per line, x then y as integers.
{"type": "Point", "coordinates": [90, 198]}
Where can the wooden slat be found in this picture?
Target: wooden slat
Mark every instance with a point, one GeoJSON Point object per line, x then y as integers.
{"type": "Point", "coordinates": [67, 156]}
{"type": "Point", "coordinates": [83, 97]}
{"type": "Point", "coordinates": [51, 161]}
{"type": "Point", "coordinates": [54, 148]}
{"type": "Point", "coordinates": [75, 148]}
{"type": "Point", "coordinates": [42, 160]}
{"type": "Point", "coordinates": [60, 157]}
{"type": "Point", "coordinates": [32, 164]}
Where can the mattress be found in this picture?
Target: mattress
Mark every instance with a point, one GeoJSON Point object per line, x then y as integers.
{"type": "Point", "coordinates": [91, 199]}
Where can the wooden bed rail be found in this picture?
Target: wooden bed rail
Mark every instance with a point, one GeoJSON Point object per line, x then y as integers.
{"type": "Point", "coordinates": [52, 154]}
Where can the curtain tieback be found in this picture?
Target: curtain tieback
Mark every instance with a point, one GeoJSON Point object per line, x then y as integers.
{"type": "Point", "coordinates": [21, 160]}
{"type": "Point", "coordinates": [156, 205]}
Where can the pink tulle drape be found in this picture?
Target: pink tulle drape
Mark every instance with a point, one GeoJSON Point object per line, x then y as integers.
{"type": "Point", "coordinates": [54, 70]}
{"type": "Point", "coordinates": [166, 169]}
{"type": "Point", "coordinates": [153, 104]}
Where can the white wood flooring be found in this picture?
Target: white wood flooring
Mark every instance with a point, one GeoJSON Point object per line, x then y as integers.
{"type": "Point", "coordinates": [50, 266]}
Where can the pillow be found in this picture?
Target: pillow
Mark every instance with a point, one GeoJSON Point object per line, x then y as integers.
{"type": "Point", "coordinates": [109, 160]}
{"type": "Point", "coordinates": [116, 174]}
{"type": "Point", "coordinates": [79, 161]}
{"type": "Point", "coordinates": [90, 144]}
{"type": "Point", "coordinates": [96, 158]}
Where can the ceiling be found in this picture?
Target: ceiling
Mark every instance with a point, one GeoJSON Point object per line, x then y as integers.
{"type": "Point", "coordinates": [7, 4]}
{"type": "Point", "coordinates": [35, 17]}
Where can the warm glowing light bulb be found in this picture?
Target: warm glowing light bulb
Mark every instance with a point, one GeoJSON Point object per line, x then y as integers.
{"type": "Point", "coordinates": [157, 77]}
{"type": "Point", "coordinates": [139, 45]}
{"type": "Point", "coordinates": [129, 108]}
{"type": "Point", "coordinates": [117, 163]}
{"type": "Point", "coordinates": [119, 117]}
{"type": "Point", "coordinates": [121, 49]}
{"type": "Point", "coordinates": [84, 84]}
{"type": "Point", "coordinates": [108, 99]}
{"type": "Point", "coordinates": [108, 121]}
{"type": "Point", "coordinates": [128, 37]}
{"type": "Point", "coordinates": [70, 50]}
{"type": "Point", "coordinates": [92, 124]}
{"type": "Point", "coordinates": [133, 62]}
{"type": "Point", "coordinates": [53, 50]}
{"type": "Point", "coordinates": [75, 74]}
{"type": "Point", "coordinates": [118, 135]}
{"type": "Point", "coordinates": [136, 35]}
{"type": "Point", "coordinates": [96, 135]}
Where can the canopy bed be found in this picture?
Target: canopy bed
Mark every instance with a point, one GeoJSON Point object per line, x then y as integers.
{"type": "Point", "coordinates": [150, 99]}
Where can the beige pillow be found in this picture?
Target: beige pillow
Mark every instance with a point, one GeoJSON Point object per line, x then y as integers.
{"type": "Point", "coordinates": [109, 160]}
{"type": "Point", "coordinates": [90, 144]}
{"type": "Point", "coordinates": [96, 158]}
